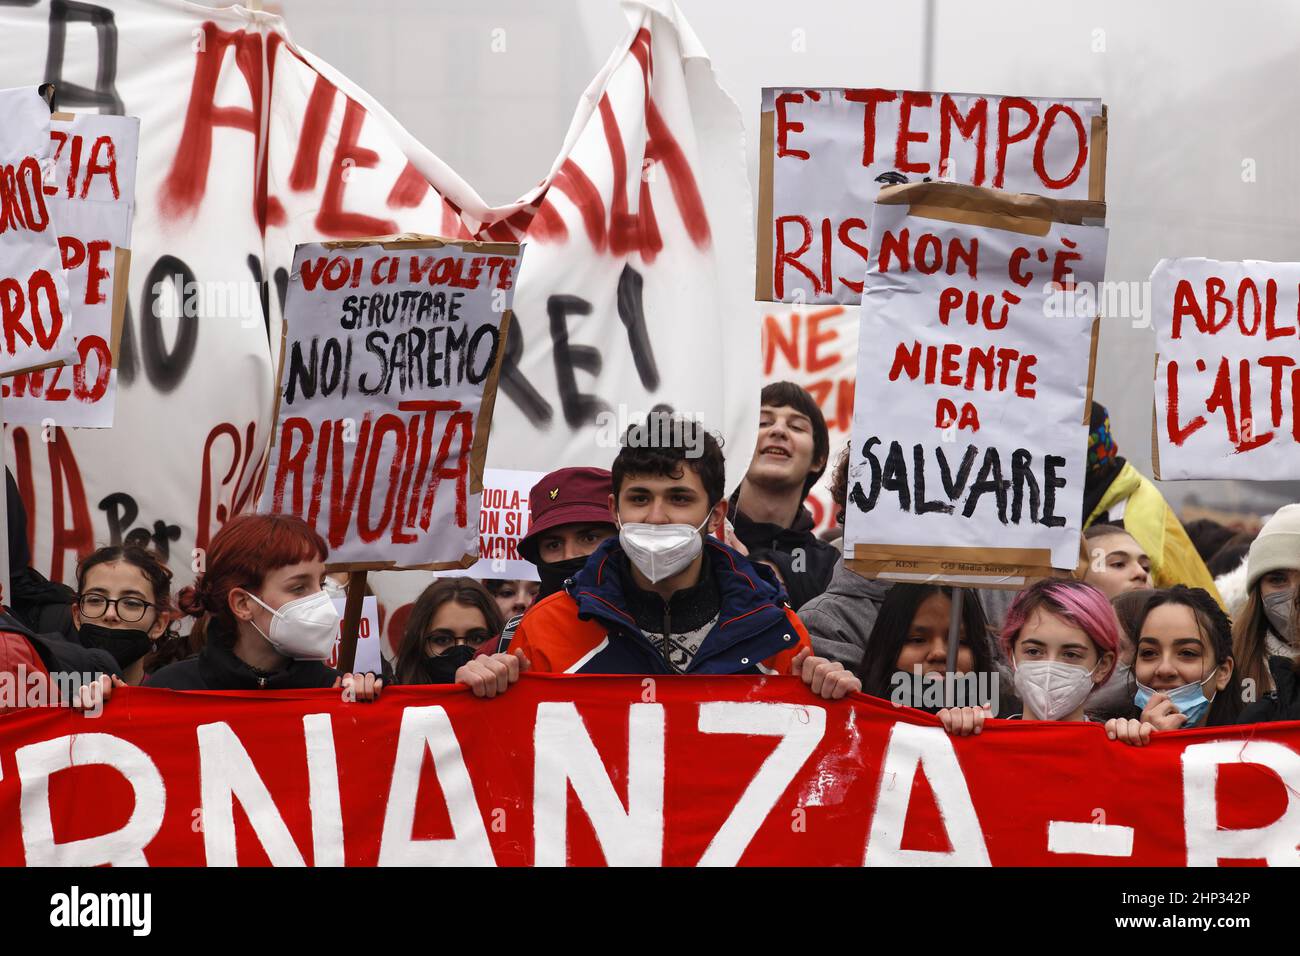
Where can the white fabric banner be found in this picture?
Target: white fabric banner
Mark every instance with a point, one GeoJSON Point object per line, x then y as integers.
{"type": "Point", "coordinates": [637, 288]}
{"type": "Point", "coordinates": [1227, 381]}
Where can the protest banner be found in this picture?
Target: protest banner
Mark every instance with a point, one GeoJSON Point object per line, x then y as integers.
{"type": "Point", "coordinates": [388, 379]}
{"type": "Point", "coordinates": [824, 154]}
{"type": "Point", "coordinates": [583, 771]}
{"type": "Point", "coordinates": [502, 521]}
{"type": "Point", "coordinates": [817, 349]}
{"type": "Point", "coordinates": [91, 198]}
{"type": "Point", "coordinates": [972, 341]}
{"type": "Point", "coordinates": [250, 145]}
{"type": "Point", "coordinates": [35, 313]}
{"type": "Point", "coordinates": [367, 657]}
{"type": "Point", "coordinates": [1227, 392]}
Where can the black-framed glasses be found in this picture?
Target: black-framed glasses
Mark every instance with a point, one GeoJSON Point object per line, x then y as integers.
{"type": "Point", "coordinates": [442, 640]}
{"type": "Point", "coordinates": [129, 609]}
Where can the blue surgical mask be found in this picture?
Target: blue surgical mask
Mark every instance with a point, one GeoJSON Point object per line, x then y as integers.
{"type": "Point", "coordinates": [1189, 699]}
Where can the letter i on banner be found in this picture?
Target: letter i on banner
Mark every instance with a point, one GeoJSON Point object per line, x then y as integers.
{"type": "Point", "coordinates": [389, 363]}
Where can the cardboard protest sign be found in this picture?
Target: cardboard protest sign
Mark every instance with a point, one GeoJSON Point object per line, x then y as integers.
{"type": "Point", "coordinates": [368, 660]}
{"type": "Point", "coordinates": [390, 362]}
{"type": "Point", "coordinates": [824, 154]}
{"type": "Point", "coordinates": [974, 368]}
{"type": "Point", "coordinates": [35, 313]}
{"type": "Point", "coordinates": [91, 195]}
{"type": "Point", "coordinates": [502, 521]}
{"type": "Point", "coordinates": [817, 348]}
{"type": "Point", "coordinates": [1227, 395]}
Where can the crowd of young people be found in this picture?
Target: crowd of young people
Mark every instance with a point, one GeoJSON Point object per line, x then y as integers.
{"type": "Point", "coordinates": [650, 568]}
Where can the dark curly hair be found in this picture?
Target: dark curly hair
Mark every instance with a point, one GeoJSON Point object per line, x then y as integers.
{"type": "Point", "coordinates": [663, 446]}
{"type": "Point", "coordinates": [840, 483]}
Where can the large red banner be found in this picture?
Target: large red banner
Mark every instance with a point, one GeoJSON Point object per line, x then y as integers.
{"type": "Point", "coordinates": [623, 770]}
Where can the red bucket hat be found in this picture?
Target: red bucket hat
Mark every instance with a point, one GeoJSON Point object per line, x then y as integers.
{"type": "Point", "coordinates": [567, 496]}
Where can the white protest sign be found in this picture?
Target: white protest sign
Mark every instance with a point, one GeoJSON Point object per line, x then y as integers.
{"type": "Point", "coordinates": [91, 193]}
{"type": "Point", "coordinates": [391, 356]}
{"type": "Point", "coordinates": [502, 521]}
{"type": "Point", "coordinates": [1228, 377]}
{"type": "Point", "coordinates": [816, 347]}
{"type": "Point", "coordinates": [35, 314]}
{"type": "Point", "coordinates": [969, 435]}
{"type": "Point", "coordinates": [368, 637]}
{"type": "Point", "coordinates": [826, 153]}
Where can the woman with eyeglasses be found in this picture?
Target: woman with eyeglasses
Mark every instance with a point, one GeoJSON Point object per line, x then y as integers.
{"type": "Point", "coordinates": [449, 622]}
{"type": "Point", "coordinates": [123, 605]}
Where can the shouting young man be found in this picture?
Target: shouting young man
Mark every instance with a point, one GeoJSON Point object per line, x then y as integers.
{"type": "Point", "coordinates": [768, 509]}
{"type": "Point", "coordinates": [664, 596]}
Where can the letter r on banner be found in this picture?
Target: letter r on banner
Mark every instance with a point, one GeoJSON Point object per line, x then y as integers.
{"type": "Point", "coordinates": [1207, 842]}
{"type": "Point", "coordinates": [124, 847]}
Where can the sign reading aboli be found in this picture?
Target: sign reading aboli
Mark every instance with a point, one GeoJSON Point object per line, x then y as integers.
{"type": "Point", "coordinates": [391, 357]}
{"type": "Point", "coordinates": [1227, 379]}
{"type": "Point", "coordinates": [826, 153]}
{"type": "Point", "coordinates": [587, 771]}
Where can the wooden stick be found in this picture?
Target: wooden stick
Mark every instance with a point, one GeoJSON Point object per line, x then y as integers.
{"type": "Point", "coordinates": [351, 621]}
{"type": "Point", "coordinates": [954, 645]}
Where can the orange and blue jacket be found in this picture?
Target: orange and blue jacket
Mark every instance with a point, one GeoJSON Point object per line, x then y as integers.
{"type": "Point", "coordinates": [587, 629]}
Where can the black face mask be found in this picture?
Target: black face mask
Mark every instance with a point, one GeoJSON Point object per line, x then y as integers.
{"type": "Point", "coordinates": [555, 573]}
{"type": "Point", "coordinates": [127, 645]}
{"type": "Point", "coordinates": [442, 668]}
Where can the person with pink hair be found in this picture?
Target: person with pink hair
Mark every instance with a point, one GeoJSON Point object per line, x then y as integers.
{"type": "Point", "coordinates": [1062, 639]}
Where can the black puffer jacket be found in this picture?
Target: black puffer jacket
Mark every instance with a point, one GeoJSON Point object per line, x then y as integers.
{"type": "Point", "coordinates": [1283, 703]}
{"type": "Point", "coordinates": [217, 668]}
{"type": "Point", "coordinates": [805, 579]}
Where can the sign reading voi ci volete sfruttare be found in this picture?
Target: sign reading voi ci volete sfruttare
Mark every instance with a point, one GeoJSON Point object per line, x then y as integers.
{"type": "Point", "coordinates": [388, 376]}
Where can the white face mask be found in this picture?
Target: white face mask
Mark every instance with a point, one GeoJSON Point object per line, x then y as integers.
{"type": "Point", "coordinates": [1053, 690]}
{"type": "Point", "coordinates": [660, 550]}
{"type": "Point", "coordinates": [304, 629]}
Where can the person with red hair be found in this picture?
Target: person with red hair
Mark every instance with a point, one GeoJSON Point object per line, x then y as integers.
{"type": "Point", "coordinates": [270, 625]}
{"type": "Point", "coordinates": [1062, 639]}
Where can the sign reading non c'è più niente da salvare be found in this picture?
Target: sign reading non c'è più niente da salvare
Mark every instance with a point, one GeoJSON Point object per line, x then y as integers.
{"type": "Point", "coordinates": [971, 340]}
{"type": "Point", "coordinates": [390, 363]}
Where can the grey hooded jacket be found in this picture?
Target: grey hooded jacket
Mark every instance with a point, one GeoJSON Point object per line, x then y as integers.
{"type": "Point", "coordinates": [840, 620]}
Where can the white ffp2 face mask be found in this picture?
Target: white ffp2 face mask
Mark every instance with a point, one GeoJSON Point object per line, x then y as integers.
{"type": "Point", "coordinates": [661, 550]}
{"type": "Point", "coordinates": [1053, 690]}
{"type": "Point", "coordinates": [304, 629]}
